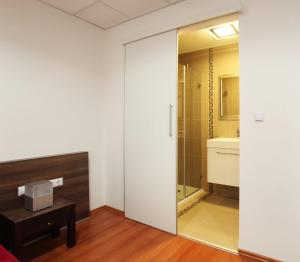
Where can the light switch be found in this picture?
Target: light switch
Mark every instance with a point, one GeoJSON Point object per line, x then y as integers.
{"type": "Point", "coordinates": [259, 116]}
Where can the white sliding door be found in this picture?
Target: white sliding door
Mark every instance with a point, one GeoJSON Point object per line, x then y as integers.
{"type": "Point", "coordinates": [150, 131]}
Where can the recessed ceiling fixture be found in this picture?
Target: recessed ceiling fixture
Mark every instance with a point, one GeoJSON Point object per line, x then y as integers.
{"type": "Point", "coordinates": [224, 31]}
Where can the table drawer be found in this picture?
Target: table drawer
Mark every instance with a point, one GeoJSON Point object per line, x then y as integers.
{"type": "Point", "coordinates": [43, 223]}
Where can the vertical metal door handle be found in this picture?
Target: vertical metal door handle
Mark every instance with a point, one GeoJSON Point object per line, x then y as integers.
{"type": "Point", "coordinates": [170, 120]}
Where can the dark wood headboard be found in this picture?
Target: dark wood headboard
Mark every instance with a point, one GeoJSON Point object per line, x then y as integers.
{"type": "Point", "coordinates": [74, 168]}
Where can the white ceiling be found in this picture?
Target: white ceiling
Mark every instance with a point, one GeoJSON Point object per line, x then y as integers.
{"type": "Point", "coordinates": [108, 13]}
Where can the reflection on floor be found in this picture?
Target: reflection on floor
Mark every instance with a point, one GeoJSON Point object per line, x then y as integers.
{"type": "Point", "coordinates": [214, 220]}
{"type": "Point", "coordinates": [189, 190]}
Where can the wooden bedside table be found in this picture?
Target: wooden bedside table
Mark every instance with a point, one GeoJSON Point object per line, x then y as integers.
{"type": "Point", "coordinates": [20, 223]}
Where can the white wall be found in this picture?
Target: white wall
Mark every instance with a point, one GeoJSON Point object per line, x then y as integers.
{"type": "Point", "coordinates": [270, 216]}
{"type": "Point", "coordinates": [270, 176]}
{"type": "Point", "coordinates": [51, 86]}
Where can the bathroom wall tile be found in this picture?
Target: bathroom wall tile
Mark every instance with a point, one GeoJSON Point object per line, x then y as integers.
{"type": "Point", "coordinates": [196, 144]}
{"type": "Point", "coordinates": [196, 91]}
{"type": "Point", "coordinates": [196, 129]}
{"type": "Point", "coordinates": [197, 110]}
{"type": "Point", "coordinates": [196, 164]}
{"type": "Point", "coordinates": [188, 110]}
{"type": "Point", "coordinates": [204, 110]}
{"type": "Point", "coordinates": [224, 128]}
{"type": "Point", "coordinates": [204, 146]}
{"type": "Point", "coordinates": [188, 92]}
{"type": "Point", "coordinates": [187, 128]}
{"type": "Point", "coordinates": [180, 178]}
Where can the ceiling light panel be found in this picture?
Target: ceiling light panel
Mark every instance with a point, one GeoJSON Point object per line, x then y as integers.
{"type": "Point", "coordinates": [70, 6]}
{"type": "Point", "coordinates": [224, 31]}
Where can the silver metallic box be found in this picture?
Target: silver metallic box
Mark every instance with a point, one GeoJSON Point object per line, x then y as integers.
{"type": "Point", "coordinates": [38, 195]}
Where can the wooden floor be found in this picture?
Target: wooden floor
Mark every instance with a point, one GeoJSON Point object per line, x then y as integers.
{"type": "Point", "coordinates": [108, 236]}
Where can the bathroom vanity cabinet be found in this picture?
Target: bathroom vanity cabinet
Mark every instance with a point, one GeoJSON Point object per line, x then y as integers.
{"type": "Point", "coordinates": [223, 161]}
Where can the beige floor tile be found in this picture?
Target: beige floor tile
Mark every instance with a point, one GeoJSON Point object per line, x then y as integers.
{"type": "Point", "coordinates": [214, 220]}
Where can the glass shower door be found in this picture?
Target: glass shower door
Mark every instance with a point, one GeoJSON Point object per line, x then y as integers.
{"type": "Point", "coordinates": [181, 140]}
{"type": "Point", "coordinates": [189, 142]}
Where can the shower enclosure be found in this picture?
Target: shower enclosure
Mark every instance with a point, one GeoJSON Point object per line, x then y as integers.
{"type": "Point", "coordinates": [189, 133]}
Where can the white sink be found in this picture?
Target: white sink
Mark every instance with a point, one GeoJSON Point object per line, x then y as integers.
{"type": "Point", "coordinates": [222, 142]}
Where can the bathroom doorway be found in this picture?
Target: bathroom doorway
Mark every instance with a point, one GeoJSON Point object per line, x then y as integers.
{"type": "Point", "coordinates": [208, 133]}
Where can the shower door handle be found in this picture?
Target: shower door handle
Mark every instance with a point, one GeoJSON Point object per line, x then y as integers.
{"type": "Point", "coordinates": [171, 120]}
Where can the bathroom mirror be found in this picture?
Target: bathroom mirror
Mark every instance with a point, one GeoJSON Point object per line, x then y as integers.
{"type": "Point", "coordinates": [229, 96]}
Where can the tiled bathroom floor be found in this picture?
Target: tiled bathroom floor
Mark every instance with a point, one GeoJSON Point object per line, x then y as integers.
{"type": "Point", "coordinates": [214, 220]}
